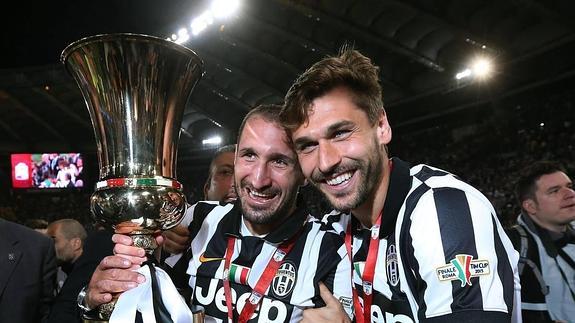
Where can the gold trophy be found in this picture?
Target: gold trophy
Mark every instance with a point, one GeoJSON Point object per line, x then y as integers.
{"type": "Point", "coordinates": [136, 88]}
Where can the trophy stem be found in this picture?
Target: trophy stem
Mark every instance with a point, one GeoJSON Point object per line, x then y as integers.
{"type": "Point", "coordinates": [144, 239]}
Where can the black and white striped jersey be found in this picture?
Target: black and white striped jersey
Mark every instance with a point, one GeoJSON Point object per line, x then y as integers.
{"type": "Point", "coordinates": [442, 253]}
{"type": "Point", "coordinates": [317, 256]}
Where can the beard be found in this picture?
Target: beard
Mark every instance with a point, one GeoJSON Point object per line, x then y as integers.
{"type": "Point", "coordinates": [263, 215]}
{"type": "Point", "coordinates": [368, 172]}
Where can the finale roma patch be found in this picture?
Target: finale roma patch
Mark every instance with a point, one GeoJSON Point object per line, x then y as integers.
{"type": "Point", "coordinates": [463, 268]}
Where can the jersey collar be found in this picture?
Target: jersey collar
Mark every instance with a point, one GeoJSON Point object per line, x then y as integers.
{"type": "Point", "coordinates": [231, 224]}
{"type": "Point", "coordinates": [399, 185]}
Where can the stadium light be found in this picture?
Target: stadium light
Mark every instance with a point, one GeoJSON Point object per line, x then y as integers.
{"type": "Point", "coordinates": [481, 67]}
{"type": "Point", "coordinates": [215, 140]}
{"type": "Point", "coordinates": [219, 9]}
{"type": "Point", "coordinates": [224, 8]}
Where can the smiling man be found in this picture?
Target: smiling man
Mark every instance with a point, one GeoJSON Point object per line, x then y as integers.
{"type": "Point", "coordinates": [263, 250]}
{"type": "Point", "coordinates": [426, 246]}
{"type": "Point", "coordinates": [545, 238]}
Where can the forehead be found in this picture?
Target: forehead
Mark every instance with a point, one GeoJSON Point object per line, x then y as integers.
{"type": "Point", "coordinates": [554, 179]}
{"type": "Point", "coordinates": [260, 133]}
{"type": "Point", "coordinates": [334, 106]}
{"type": "Point", "coordinates": [226, 158]}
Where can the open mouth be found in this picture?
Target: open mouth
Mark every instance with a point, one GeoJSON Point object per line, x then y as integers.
{"type": "Point", "coordinates": [339, 179]}
{"type": "Point", "coordinates": [260, 197]}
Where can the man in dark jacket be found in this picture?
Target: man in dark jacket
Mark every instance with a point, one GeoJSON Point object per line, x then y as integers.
{"type": "Point", "coordinates": [28, 267]}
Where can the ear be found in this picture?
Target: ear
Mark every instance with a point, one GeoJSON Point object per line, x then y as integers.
{"type": "Point", "coordinates": [529, 205]}
{"type": "Point", "coordinates": [383, 129]}
{"type": "Point", "coordinates": [206, 188]}
{"type": "Point", "coordinates": [77, 243]}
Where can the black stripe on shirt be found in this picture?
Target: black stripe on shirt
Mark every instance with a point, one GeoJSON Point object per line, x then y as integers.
{"type": "Point", "coordinates": [426, 173]}
{"type": "Point", "coordinates": [458, 237]}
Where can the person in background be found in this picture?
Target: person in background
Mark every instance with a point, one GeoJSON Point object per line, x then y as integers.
{"type": "Point", "coordinates": [39, 225]}
{"type": "Point", "coordinates": [69, 236]}
{"type": "Point", "coordinates": [98, 244]}
{"type": "Point", "coordinates": [220, 182]}
{"type": "Point", "coordinates": [545, 238]}
{"type": "Point", "coordinates": [28, 274]}
{"type": "Point", "coordinates": [426, 246]}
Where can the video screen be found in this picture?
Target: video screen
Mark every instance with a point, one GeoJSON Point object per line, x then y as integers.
{"type": "Point", "coordinates": [47, 170]}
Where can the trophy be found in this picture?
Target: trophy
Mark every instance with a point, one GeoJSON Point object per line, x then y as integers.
{"type": "Point", "coordinates": [136, 88]}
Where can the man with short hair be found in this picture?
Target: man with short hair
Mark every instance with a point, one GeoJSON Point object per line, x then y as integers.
{"type": "Point", "coordinates": [264, 248]}
{"type": "Point", "coordinates": [545, 237]}
{"type": "Point", "coordinates": [69, 236]}
{"type": "Point", "coordinates": [426, 246]}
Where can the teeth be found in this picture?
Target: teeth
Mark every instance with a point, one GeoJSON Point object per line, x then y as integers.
{"type": "Point", "coordinates": [256, 194]}
{"type": "Point", "coordinates": [339, 179]}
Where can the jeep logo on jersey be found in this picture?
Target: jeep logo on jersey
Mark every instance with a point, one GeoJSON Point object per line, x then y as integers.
{"type": "Point", "coordinates": [284, 281]}
{"type": "Point", "coordinates": [463, 267]}
{"type": "Point", "coordinates": [391, 265]}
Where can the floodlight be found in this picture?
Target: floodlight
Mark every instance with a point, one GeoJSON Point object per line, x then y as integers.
{"type": "Point", "coordinates": [224, 8]}
{"type": "Point", "coordinates": [481, 67]}
{"type": "Point", "coordinates": [215, 140]}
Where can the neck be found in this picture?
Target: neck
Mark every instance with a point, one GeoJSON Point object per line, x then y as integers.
{"type": "Point", "coordinates": [553, 227]}
{"type": "Point", "coordinates": [368, 212]}
{"type": "Point", "coordinates": [258, 229]}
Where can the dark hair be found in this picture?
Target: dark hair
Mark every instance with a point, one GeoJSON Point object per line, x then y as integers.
{"type": "Point", "coordinates": [526, 184]}
{"type": "Point", "coordinates": [268, 112]}
{"type": "Point", "coordinates": [349, 69]}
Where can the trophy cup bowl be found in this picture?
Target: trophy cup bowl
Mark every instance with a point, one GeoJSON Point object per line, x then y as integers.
{"type": "Point", "coordinates": [135, 88]}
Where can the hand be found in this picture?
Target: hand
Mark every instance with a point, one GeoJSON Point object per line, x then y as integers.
{"type": "Point", "coordinates": [331, 312]}
{"type": "Point", "coordinates": [113, 275]}
{"type": "Point", "coordinates": [116, 274]}
{"type": "Point", "coordinates": [177, 239]}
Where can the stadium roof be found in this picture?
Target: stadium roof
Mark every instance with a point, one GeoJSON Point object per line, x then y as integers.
{"type": "Point", "coordinates": [254, 56]}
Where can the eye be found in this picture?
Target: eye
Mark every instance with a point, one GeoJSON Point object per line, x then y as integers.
{"type": "Point", "coordinates": [306, 148]}
{"type": "Point", "coordinates": [280, 162]}
{"type": "Point", "coordinates": [342, 133]}
{"type": "Point", "coordinates": [248, 156]}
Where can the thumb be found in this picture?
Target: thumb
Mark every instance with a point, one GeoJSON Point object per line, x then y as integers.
{"type": "Point", "coordinates": [327, 296]}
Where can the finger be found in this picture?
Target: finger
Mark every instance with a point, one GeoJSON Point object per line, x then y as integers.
{"type": "Point", "coordinates": [174, 248]}
{"type": "Point", "coordinates": [180, 230]}
{"type": "Point", "coordinates": [176, 238]}
{"type": "Point", "coordinates": [122, 239]}
{"type": "Point", "coordinates": [120, 249]}
{"type": "Point", "coordinates": [114, 262]}
{"type": "Point", "coordinates": [94, 299]}
{"type": "Point", "coordinates": [327, 296]}
{"type": "Point", "coordinates": [112, 286]}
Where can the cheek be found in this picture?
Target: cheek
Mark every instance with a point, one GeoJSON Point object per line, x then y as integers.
{"type": "Point", "coordinates": [307, 164]}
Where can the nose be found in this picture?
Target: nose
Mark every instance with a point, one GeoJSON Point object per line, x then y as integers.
{"type": "Point", "coordinates": [328, 156]}
{"type": "Point", "coordinates": [261, 176]}
{"type": "Point", "coordinates": [570, 193]}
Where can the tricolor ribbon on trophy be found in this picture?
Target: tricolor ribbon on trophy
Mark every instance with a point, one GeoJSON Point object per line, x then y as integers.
{"type": "Point", "coordinates": [136, 88]}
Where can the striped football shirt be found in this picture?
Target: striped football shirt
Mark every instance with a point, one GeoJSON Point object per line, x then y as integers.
{"type": "Point", "coordinates": [443, 254]}
{"type": "Point", "coordinates": [317, 256]}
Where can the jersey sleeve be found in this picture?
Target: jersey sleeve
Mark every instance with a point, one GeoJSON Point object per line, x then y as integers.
{"type": "Point", "coordinates": [458, 262]}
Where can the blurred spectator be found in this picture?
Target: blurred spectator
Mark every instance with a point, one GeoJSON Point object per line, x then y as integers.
{"type": "Point", "coordinates": [97, 245]}
{"type": "Point", "coordinates": [545, 239]}
{"type": "Point", "coordinates": [28, 267]}
{"type": "Point", "coordinates": [220, 182]}
{"type": "Point", "coordinates": [39, 225]}
{"type": "Point", "coordinates": [69, 236]}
